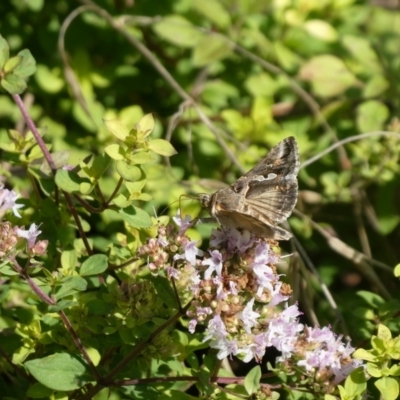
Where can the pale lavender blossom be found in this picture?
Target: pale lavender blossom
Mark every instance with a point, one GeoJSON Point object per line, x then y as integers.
{"type": "Point", "coordinates": [192, 325]}
{"type": "Point", "coordinates": [226, 347]}
{"type": "Point", "coordinates": [248, 316]}
{"type": "Point", "coordinates": [218, 236]}
{"type": "Point", "coordinates": [31, 234]}
{"type": "Point", "coordinates": [173, 272]}
{"type": "Point", "coordinates": [276, 296]}
{"type": "Point", "coordinates": [283, 331]}
{"type": "Point", "coordinates": [191, 251]}
{"type": "Point", "coordinates": [221, 293]}
{"type": "Point", "coordinates": [232, 288]}
{"type": "Point", "coordinates": [345, 370]}
{"type": "Point", "coordinates": [162, 241]}
{"type": "Point", "coordinates": [240, 241]}
{"type": "Point", "coordinates": [7, 201]}
{"type": "Point", "coordinates": [201, 314]}
{"type": "Point", "coordinates": [215, 329]}
{"type": "Point", "coordinates": [215, 264]}
{"type": "Point", "coordinates": [320, 334]}
{"type": "Point", "coordinates": [254, 350]}
{"type": "Point", "coordinates": [183, 224]}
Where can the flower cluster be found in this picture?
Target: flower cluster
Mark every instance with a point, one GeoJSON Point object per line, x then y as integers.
{"type": "Point", "coordinates": [10, 236]}
{"type": "Point", "coordinates": [239, 298]}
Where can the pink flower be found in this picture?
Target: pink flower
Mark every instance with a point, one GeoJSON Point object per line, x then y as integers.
{"type": "Point", "coordinates": [31, 234]}
{"type": "Point", "coordinates": [248, 316]}
{"type": "Point", "coordinates": [191, 251]}
{"type": "Point", "coordinates": [215, 264]}
{"type": "Point", "coordinates": [7, 201]}
{"type": "Point", "coordinates": [183, 224]}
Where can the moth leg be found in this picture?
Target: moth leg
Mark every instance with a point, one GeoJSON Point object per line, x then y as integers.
{"type": "Point", "coordinates": [207, 220]}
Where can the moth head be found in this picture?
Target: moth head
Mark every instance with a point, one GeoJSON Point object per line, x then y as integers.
{"type": "Point", "coordinates": [205, 200]}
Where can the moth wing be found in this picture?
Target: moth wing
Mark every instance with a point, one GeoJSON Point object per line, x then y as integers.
{"type": "Point", "coordinates": [282, 160]}
{"type": "Point", "coordinates": [236, 219]}
{"type": "Point", "coordinates": [273, 201]}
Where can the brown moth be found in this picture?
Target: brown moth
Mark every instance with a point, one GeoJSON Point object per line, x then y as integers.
{"type": "Point", "coordinates": [263, 197]}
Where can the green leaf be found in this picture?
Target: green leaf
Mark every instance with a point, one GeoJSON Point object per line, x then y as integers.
{"type": "Point", "coordinates": [209, 49]}
{"type": "Point", "coordinates": [135, 187]}
{"type": "Point", "coordinates": [86, 187]}
{"type": "Point", "coordinates": [372, 299]}
{"type": "Point", "coordinates": [136, 217]}
{"type": "Point", "coordinates": [394, 370]}
{"type": "Point", "coordinates": [161, 146]}
{"type": "Point", "coordinates": [115, 151]}
{"type": "Point", "coordinates": [389, 388]}
{"type": "Point", "coordinates": [128, 172]}
{"type": "Point", "coordinates": [371, 116]}
{"type": "Point", "coordinates": [67, 180]}
{"type": "Point", "coordinates": [63, 304]}
{"type": "Point", "coordinates": [94, 265]}
{"type": "Point", "coordinates": [117, 128]}
{"type": "Point", "coordinates": [50, 80]}
{"type": "Point", "coordinates": [60, 371]}
{"type": "Point", "coordinates": [375, 86]}
{"type": "Point", "coordinates": [4, 52]}
{"type": "Point", "coordinates": [60, 159]}
{"type": "Point", "coordinates": [142, 157]}
{"type": "Point", "coordinates": [384, 333]}
{"type": "Point", "coordinates": [355, 383]}
{"type": "Point", "coordinates": [165, 291]}
{"type": "Point", "coordinates": [13, 84]}
{"type": "Point", "coordinates": [214, 11]}
{"type": "Point", "coordinates": [178, 31]}
{"type": "Point", "coordinates": [69, 260]}
{"type": "Point", "coordinates": [321, 30]}
{"type": "Point", "coordinates": [328, 75]}
{"type": "Point", "coordinates": [145, 126]}
{"type": "Point", "coordinates": [362, 354]}
{"type": "Point", "coordinates": [70, 285]}
{"type": "Point", "coordinates": [12, 63]}
{"type": "Point", "coordinates": [22, 354]}
{"type": "Point", "coordinates": [28, 65]}
{"type": "Point", "coordinates": [362, 50]}
{"type": "Point", "coordinates": [397, 270]}
{"type": "Point", "coordinates": [252, 380]}
{"type": "Point", "coordinates": [374, 370]}
{"type": "Point", "coordinates": [38, 391]}
{"type": "Point", "coordinates": [99, 166]}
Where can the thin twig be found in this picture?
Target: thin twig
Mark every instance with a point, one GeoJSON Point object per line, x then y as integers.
{"type": "Point", "coordinates": [347, 140]}
{"type": "Point", "coordinates": [359, 259]}
{"type": "Point", "coordinates": [48, 300]}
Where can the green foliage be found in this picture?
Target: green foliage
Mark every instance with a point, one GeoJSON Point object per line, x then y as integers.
{"type": "Point", "coordinates": [382, 362]}
{"type": "Point", "coordinates": [16, 69]}
{"type": "Point", "coordinates": [255, 72]}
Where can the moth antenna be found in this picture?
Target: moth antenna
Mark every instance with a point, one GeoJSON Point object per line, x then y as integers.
{"type": "Point", "coordinates": [155, 212]}
{"type": "Point", "coordinates": [176, 201]}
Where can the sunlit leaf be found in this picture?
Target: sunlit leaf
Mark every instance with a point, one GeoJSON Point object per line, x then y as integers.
{"type": "Point", "coordinates": [328, 75]}
{"type": "Point", "coordinates": [178, 30]}
{"type": "Point", "coordinates": [59, 371]}
{"type": "Point", "coordinates": [161, 146]}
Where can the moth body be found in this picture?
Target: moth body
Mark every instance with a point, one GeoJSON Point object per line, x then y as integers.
{"type": "Point", "coordinates": [263, 197]}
